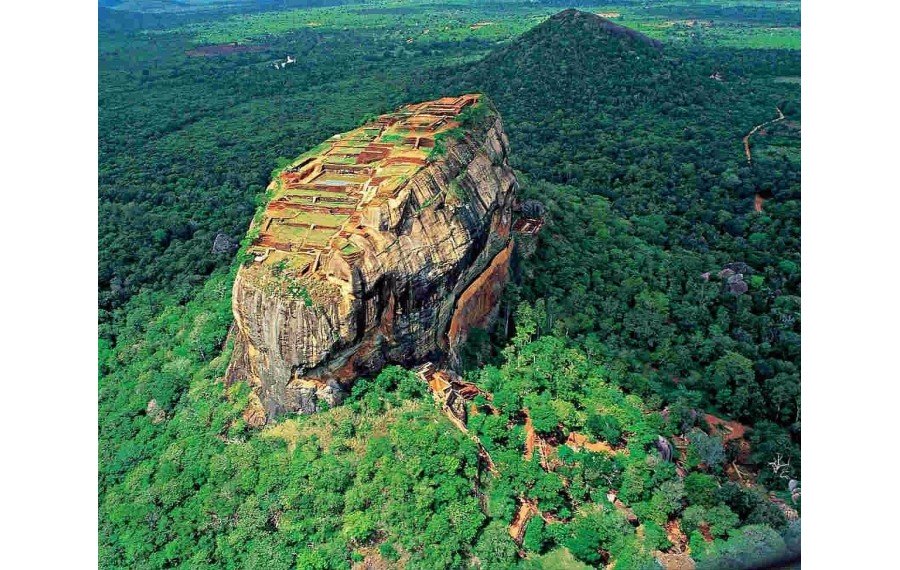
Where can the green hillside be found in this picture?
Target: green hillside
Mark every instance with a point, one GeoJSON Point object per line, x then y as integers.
{"type": "Point", "coordinates": [637, 153]}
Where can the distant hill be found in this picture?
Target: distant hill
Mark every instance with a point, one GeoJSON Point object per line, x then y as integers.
{"type": "Point", "coordinates": [574, 79]}
{"type": "Point", "coordinates": [573, 53]}
{"type": "Point", "coordinates": [592, 23]}
{"type": "Point", "coordinates": [592, 106]}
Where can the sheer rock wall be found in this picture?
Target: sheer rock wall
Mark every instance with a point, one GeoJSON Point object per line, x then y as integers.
{"type": "Point", "coordinates": [422, 251]}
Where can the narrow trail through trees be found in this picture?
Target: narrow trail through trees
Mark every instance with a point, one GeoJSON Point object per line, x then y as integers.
{"type": "Point", "coordinates": [756, 128]}
{"type": "Point", "coordinates": [758, 199]}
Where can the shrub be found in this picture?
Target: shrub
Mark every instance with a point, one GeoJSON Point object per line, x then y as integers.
{"type": "Point", "coordinates": [495, 548]}
{"type": "Point", "coordinates": [700, 489]}
{"type": "Point", "coordinates": [595, 531]}
{"type": "Point", "coordinates": [705, 449]}
{"type": "Point", "coordinates": [720, 519]}
{"type": "Point", "coordinates": [534, 535]}
{"type": "Point", "coordinates": [604, 427]}
{"type": "Point", "coordinates": [751, 547]}
{"type": "Point", "coordinates": [388, 551]}
{"type": "Point", "coordinates": [655, 537]}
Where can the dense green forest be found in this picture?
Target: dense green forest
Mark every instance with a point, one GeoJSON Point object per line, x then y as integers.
{"type": "Point", "coordinates": [623, 141]}
{"type": "Point", "coordinates": [629, 320]}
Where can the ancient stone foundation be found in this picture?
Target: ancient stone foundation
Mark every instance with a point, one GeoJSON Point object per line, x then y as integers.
{"type": "Point", "coordinates": [383, 245]}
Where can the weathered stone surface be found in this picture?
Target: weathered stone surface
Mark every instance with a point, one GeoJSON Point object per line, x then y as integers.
{"type": "Point", "coordinates": [440, 235]}
{"type": "Point", "coordinates": [739, 267]}
{"type": "Point", "coordinates": [155, 413]}
{"type": "Point", "coordinates": [736, 284]}
{"type": "Point", "coordinates": [223, 244]}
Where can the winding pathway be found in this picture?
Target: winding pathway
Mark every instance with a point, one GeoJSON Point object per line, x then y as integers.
{"type": "Point", "coordinates": [756, 128]}
{"type": "Point", "coordinates": [758, 200]}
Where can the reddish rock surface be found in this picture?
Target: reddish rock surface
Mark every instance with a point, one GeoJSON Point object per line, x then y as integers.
{"type": "Point", "coordinates": [477, 306]}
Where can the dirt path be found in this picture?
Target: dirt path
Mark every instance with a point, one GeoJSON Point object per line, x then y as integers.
{"type": "Point", "coordinates": [441, 387]}
{"type": "Point", "coordinates": [482, 452]}
{"type": "Point", "coordinates": [530, 437]}
{"type": "Point", "coordinates": [756, 128]}
{"type": "Point", "coordinates": [758, 202]}
{"type": "Point", "coordinates": [527, 509]}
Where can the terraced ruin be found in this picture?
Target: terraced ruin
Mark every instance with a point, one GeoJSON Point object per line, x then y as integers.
{"type": "Point", "coordinates": [384, 244]}
{"type": "Point", "coordinates": [325, 204]}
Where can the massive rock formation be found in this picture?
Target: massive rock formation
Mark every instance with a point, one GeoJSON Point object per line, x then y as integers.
{"type": "Point", "coordinates": [383, 245]}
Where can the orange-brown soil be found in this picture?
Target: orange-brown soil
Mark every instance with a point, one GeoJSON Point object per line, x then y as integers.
{"type": "Point", "coordinates": [530, 437]}
{"type": "Point", "coordinates": [580, 441]}
{"type": "Point", "coordinates": [676, 536]}
{"type": "Point", "coordinates": [727, 430]}
{"type": "Point", "coordinates": [527, 509]}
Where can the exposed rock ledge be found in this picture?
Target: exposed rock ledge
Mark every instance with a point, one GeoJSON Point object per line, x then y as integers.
{"type": "Point", "coordinates": [419, 254]}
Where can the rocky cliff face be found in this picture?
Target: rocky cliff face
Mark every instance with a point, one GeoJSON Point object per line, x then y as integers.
{"type": "Point", "coordinates": [383, 245]}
